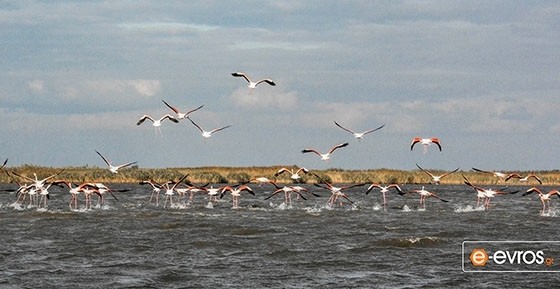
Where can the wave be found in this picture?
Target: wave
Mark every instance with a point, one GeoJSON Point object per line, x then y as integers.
{"type": "Point", "coordinates": [406, 242]}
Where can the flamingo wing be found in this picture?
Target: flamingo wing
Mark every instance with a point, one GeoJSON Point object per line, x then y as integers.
{"type": "Point", "coordinates": [267, 80]}
{"type": "Point", "coordinates": [346, 129]}
{"type": "Point", "coordinates": [372, 130]}
{"type": "Point", "coordinates": [337, 147]}
{"type": "Point", "coordinates": [241, 74]}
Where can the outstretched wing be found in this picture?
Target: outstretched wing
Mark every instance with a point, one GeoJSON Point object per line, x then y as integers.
{"type": "Point", "coordinates": [104, 159]}
{"type": "Point", "coordinates": [346, 129]}
{"type": "Point", "coordinates": [241, 74]}
{"type": "Point", "coordinates": [337, 147]}
{"type": "Point", "coordinates": [194, 123]}
{"type": "Point", "coordinates": [375, 129]}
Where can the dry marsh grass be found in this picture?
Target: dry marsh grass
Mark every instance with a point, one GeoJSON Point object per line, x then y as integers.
{"type": "Point", "coordinates": [201, 175]}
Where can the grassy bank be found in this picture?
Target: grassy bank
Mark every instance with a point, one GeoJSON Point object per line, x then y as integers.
{"type": "Point", "coordinates": [201, 175]}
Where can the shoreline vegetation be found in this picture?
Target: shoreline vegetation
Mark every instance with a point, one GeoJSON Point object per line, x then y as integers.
{"type": "Point", "coordinates": [233, 175]}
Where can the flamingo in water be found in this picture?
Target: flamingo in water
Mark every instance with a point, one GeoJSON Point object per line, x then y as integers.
{"type": "Point", "coordinates": [336, 192]}
{"type": "Point", "coordinates": [156, 189]}
{"type": "Point", "coordinates": [383, 190]}
{"type": "Point", "coordinates": [486, 195]}
{"type": "Point", "coordinates": [545, 198]}
{"type": "Point", "coordinates": [236, 193]}
{"type": "Point", "coordinates": [424, 194]}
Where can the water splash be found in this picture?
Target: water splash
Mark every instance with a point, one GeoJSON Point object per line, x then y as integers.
{"type": "Point", "coordinates": [468, 209]}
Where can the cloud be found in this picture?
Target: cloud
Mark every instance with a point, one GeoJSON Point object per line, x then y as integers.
{"type": "Point", "coordinates": [282, 45]}
{"type": "Point", "coordinates": [166, 27]}
{"type": "Point", "coordinates": [146, 87]}
{"type": "Point", "coordinates": [36, 86]}
{"type": "Point", "coordinates": [261, 97]}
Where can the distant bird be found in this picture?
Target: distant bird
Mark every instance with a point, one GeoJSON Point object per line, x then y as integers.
{"type": "Point", "coordinates": [260, 180]}
{"type": "Point", "coordinates": [358, 135]}
{"type": "Point", "coordinates": [436, 179]}
{"type": "Point", "coordinates": [325, 156]}
{"type": "Point", "coordinates": [253, 84]}
{"type": "Point", "coordinates": [181, 115]}
{"type": "Point", "coordinates": [207, 134]}
{"type": "Point", "coordinates": [424, 194]}
{"type": "Point", "coordinates": [545, 198]}
{"type": "Point", "coordinates": [523, 179]}
{"type": "Point", "coordinates": [294, 174]}
{"type": "Point", "coordinates": [114, 169]}
{"type": "Point", "coordinates": [236, 193]}
{"type": "Point", "coordinates": [496, 174]}
{"type": "Point", "coordinates": [157, 122]}
{"type": "Point", "coordinates": [426, 142]}
{"type": "Point", "coordinates": [383, 189]}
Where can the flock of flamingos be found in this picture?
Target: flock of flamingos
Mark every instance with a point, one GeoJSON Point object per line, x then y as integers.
{"type": "Point", "coordinates": [37, 190]}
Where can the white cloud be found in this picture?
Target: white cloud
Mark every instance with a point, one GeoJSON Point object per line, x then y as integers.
{"type": "Point", "coordinates": [146, 87]}
{"type": "Point", "coordinates": [167, 27]}
{"type": "Point", "coordinates": [262, 97]}
{"type": "Point", "coordinates": [36, 86]}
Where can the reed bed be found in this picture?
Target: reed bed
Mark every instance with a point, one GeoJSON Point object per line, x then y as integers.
{"type": "Point", "coordinates": [231, 175]}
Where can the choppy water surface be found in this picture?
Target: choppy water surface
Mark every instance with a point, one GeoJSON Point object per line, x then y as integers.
{"type": "Point", "coordinates": [264, 244]}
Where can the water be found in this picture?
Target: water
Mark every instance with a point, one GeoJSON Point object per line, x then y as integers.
{"type": "Point", "coordinates": [131, 243]}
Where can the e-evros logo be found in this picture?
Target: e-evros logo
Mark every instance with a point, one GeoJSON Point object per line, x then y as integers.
{"type": "Point", "coordinates": [510, 256]}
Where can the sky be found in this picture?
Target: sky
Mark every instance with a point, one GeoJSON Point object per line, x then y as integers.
{"type": "Point", "coordinates": [482, 76]}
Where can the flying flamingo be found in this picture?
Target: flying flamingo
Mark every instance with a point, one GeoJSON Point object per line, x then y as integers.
{"type": "Point", "coordinates": [425, 142]}
{"type": "Point", "coordinates": [358, 135]}
{"type": "Point", "coordinates": [157, 122]}
{"type": "Point", "coordinates": [114, 169]}
{"type": "Point", "coordinates": [435, 178]}
{"type": "Point", "coordinates": [545, 198]}
{"type": "Point", "coordinates": [253, 84]}
{"type": "Point", "coordinates": [236, 193]}
{"type": "Point", "coordinates": [294, 174]}
{"type": "Point", "coordinates": [523, 179]}
{"type": "Point", "coordinates": [496, 174]}
{"type": "Point", "coordinates": [383, 190]}
{"type": "Point", "coordinates": [325, 156]}
{"type": "Point", "coordinates": [207, 134]}
{"type": "Point", "coordinates": [181, 115]}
